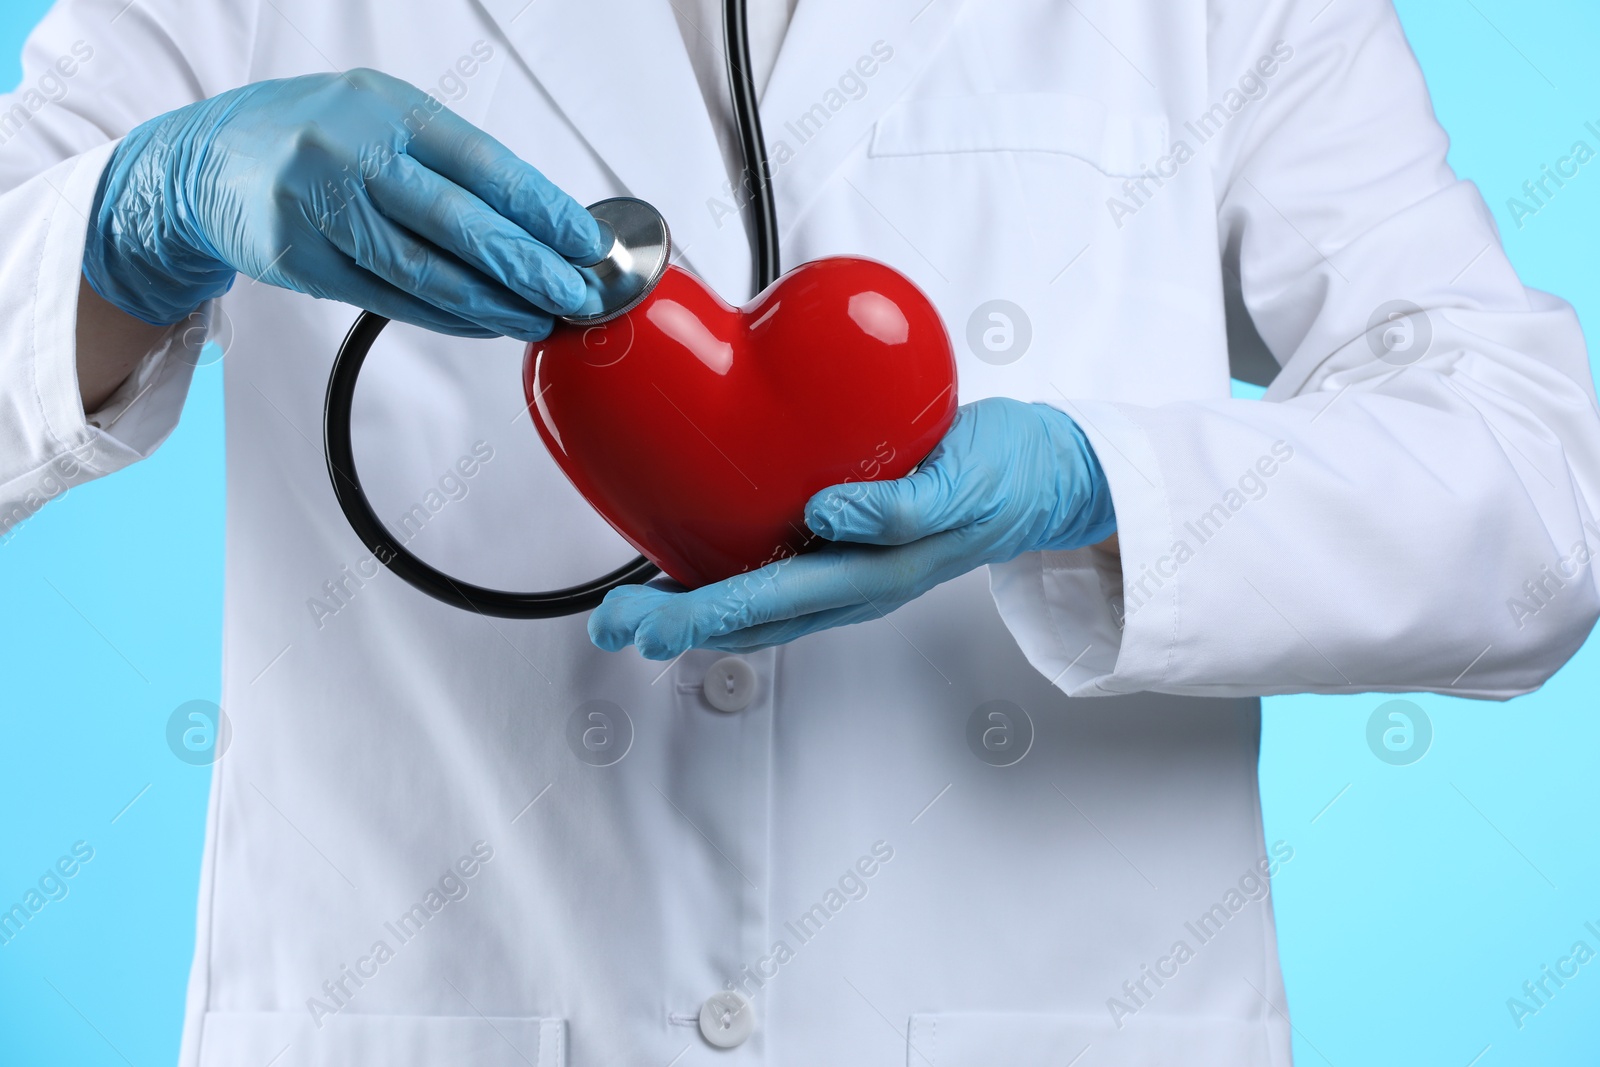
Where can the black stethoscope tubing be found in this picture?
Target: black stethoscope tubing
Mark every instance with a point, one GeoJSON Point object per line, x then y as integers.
{"type": "Point", "coordinates": [358, 342]}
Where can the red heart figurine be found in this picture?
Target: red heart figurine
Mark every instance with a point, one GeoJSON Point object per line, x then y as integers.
{"type": "Point", "coordinates": [699, 430]}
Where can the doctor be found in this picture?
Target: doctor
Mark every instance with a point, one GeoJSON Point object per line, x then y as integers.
{"type": "Point", "coordinates": [1015, 820]}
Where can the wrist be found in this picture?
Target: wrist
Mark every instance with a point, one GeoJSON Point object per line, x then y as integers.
{"type": "Point", "coordinates": [1084, 513]}
{"type": "Point", "coordinates": [144, 253]}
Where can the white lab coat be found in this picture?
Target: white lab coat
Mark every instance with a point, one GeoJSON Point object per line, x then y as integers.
{"type": "Point", "coordinates": [1369, 527]}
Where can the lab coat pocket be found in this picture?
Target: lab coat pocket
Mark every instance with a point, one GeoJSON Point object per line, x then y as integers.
{"type": "Point", "coordinates": [1116, 143]}
{"type": "Point", "coordinates": [1005, 1039]}
{"type": "Point", "coordinates": [348, 1039]}
{"type": "Point", "coordinates": [1006, 197]}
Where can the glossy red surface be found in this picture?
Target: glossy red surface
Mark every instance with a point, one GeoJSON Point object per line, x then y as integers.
{"type": "Point", "coordinates": [700, 430]}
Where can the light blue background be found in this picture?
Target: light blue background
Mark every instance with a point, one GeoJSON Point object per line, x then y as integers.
{"type": "Point", "coordinates": [1415, 905]}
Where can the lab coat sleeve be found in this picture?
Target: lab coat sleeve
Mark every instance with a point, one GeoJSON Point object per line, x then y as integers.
{"type": "Point", "coordinates": [92, 70]}
{"type": "Point", "coordinates": [1412, 507]}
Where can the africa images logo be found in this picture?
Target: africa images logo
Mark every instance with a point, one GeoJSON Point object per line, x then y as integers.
{"type": "Point", "coordinates": [1399, 732]}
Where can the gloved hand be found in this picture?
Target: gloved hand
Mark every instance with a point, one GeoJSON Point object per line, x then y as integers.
{"type": "Point", "coordinates": [1008, 478]}
{"type": "Point", "coordinates": [354, 187]}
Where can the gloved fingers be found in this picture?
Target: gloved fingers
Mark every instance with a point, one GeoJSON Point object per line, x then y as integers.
{"type": "Point", "coordinates": [455, 220]}
{"type": "Point", "coordinates": [942, 494]}
{"type": "Point", "coordinates": [613, 624]}
{"type": "Point", "coordinates": [766, 635]}
{"type": "Point", "coordinates": [339, 279]}
{"type": "Point", "coordinates": [433, 276]}
{"type": "Point", "coordinates": [834, 586]}
{"type": "Point", "coordinates": [958, 484]}
{"type": "Point", "coordinates": [664, 625]}
{"type": "Point", "coordinates": [451, 146]}
{"type": "Point", "coordinates": [882, 579]}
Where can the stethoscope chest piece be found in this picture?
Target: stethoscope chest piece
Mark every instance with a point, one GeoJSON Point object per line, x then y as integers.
{"type": "Point", "coordinates": [639, 248]}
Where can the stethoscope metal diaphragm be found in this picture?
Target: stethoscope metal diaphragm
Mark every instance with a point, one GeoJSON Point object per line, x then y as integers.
{"type": "Point", "coordinates": [639, 249]}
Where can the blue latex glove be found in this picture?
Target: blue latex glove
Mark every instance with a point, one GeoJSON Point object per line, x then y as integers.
{"type": "Point", "coordinates": [354, 187]}
{"type": "Point", "coordinates": [1008, 478]}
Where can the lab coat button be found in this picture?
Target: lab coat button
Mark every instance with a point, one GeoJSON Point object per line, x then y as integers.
{"type": "Point", "coordinates": [730, 684]}
{"type": "Point", "coordinates": [726, 1019]}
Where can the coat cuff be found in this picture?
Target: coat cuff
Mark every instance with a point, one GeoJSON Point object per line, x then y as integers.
{"type": "Point", "coordinates": [1079, 619]}
{"type": "Point", "coordinates": [51, 442]}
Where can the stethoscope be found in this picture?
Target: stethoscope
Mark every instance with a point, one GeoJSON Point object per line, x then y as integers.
{"type": "Point", "coordinates": [639, 252]}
